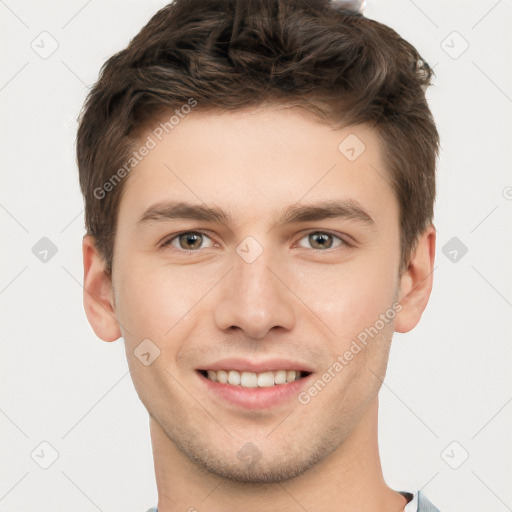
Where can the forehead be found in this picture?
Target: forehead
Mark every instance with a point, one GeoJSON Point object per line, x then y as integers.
{"type": "Point", "coordinates": [255, 162]}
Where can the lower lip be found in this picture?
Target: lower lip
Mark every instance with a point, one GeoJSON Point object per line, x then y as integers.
{"type": "Point", "coordinates": [255, 398]}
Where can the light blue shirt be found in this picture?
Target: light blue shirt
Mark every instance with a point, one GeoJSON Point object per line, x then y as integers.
{"type": "Point", "coordinates": [420, 503]}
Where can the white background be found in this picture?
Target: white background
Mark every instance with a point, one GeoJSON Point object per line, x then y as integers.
{"type": "Point", "coordinates": [448, 380]}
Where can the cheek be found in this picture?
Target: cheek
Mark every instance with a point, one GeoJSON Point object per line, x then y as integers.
{"type": "Point", "coordinates": [154, 300]}
{"type": "Point", "coordinates": [348, 298]}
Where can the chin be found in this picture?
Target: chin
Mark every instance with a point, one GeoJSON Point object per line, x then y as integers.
{"type": "Point", "coordinates": [252, 466]}
{"type": "Point", "coordinates": [259, 473]}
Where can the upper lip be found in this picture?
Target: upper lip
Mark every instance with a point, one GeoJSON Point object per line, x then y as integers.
{"type": "Point", "coordinates": [251, 365]}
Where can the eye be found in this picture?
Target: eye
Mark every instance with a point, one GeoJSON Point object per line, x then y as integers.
{"type": "Point", "coordinates": [187, 241]}
{"type": "Point", "coordinates": [322, 240]}
{"type": "Point", "coordinates": [193, 241]}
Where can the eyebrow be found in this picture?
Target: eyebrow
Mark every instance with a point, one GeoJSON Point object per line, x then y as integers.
{"type": "Point", "coordinates": [298, 213]}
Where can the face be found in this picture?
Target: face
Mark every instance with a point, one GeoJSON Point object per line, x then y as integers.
{"type": "Point", "coordinates": [248, 243]}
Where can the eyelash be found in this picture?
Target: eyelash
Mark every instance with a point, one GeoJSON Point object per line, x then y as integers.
{"type": "Point", "coordinates": [167, 243]}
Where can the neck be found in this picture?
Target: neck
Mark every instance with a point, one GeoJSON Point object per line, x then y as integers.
{"type": "Point", "coordinates": [349, 479]}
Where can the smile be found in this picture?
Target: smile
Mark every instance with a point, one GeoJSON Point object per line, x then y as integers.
{"type": "Point", "coordinates": [252, 379]}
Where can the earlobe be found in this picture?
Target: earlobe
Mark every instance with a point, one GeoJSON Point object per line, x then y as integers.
{"type": "Point", "coordinates": [98, 298]}
{"type": "Point", "coordinates": [416, 282]}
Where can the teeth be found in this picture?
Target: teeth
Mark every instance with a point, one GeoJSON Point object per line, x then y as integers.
{"type": "Point", "coordinates": [280, 377]}
{"type": "Point", "coordinates": [250, 380]}
{"type": "Point", "coordinates": [234, 377]}
{"type": "Point", "coordinates": [265, 379]}
{"type": "Point", "coordinates": [253, 380]}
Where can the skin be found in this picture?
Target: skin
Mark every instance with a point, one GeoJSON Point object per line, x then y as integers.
{"type": "Point", "coordinates": [297, 300]}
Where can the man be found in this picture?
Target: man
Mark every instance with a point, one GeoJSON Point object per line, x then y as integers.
{"type": "Point", "coordinates": [259, 179]}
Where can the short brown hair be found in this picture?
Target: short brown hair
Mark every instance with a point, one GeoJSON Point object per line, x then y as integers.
{"type": "Point", "coordinates": [339, 66]}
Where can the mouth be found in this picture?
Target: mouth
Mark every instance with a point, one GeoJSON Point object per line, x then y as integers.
{"type": "Point", "coordinates": [262, 389]}
{"type": "Point", "coordinates": [247, 379]}
{"type": "Point", "coordinates": [249, 383]}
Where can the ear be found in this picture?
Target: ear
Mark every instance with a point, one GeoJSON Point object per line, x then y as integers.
{"type": "Point", "coordinates": [98, 296]}
{"type": "Point", "coordinates": [416, 282]}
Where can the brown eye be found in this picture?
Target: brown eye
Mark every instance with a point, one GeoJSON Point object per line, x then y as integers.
{"type": "Point", "coordinates": [321, 240]}
{"type": "Point", "coordinates": [188, 241]}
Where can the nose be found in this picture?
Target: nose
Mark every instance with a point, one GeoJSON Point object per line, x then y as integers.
{"type": "Point", "coordinates": [255, 299]}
